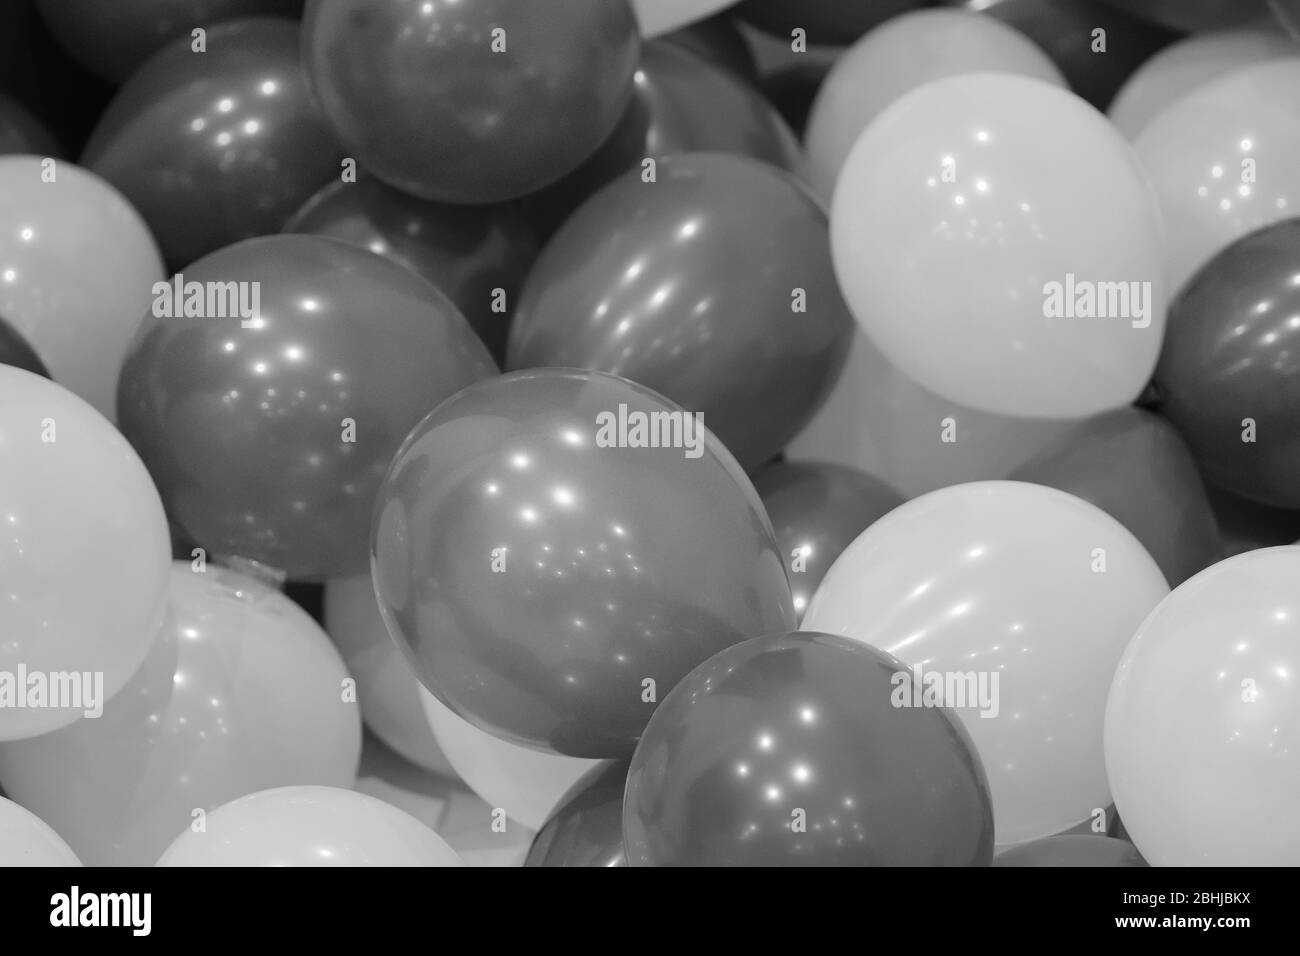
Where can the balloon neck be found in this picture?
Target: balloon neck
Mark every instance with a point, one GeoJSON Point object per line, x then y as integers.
{"type": "Point", "coordinates": [266, 574]}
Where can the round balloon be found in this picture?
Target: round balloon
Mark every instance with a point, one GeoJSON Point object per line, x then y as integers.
{"type": "Point", "coordinates": [310, 826]}
{"type": "Point", "coordinates": [242, 691]}
{"type": "Point", "coordinates": [880, 421]}
{"type": "Point", "coordinates": [817, 510]}
{"type": "Point", "coordinates": [713, 286]}
{"type": "Point", "coordinates": [218, 146]}
{"type": "Point", "coordinates": [387, 691]}
{"type": "Point", "coordinates": [555, 549]}
{"type": "Point", "coordinates": [77, 268]}
{"type": "Point", "coordinates": [15, 351]}
{"type": "Point", "coordinates": [471, 102]}
{"type": "Point", "coordinates": [527, 784]}
{"type": "Point", "coordinates": [823, 21]}
{"type": "Point", "coordinates": [1087, 851]}
{"type": "Point", "coordinates": [791, 750]}
{"type": "Point", "coordinates": [1191, 63]}
{"type": "Point", "coordinates": [1221, 159]}
{"type": "Point", "coordinates": [84, 550]}
{"type": "Point", "coordinates": [896, 58]}
{"type": "Point", "coordinates": [586, 829]}
{"type": "Point", "coordinates": [273, 383]}
{"type": "Point", "coordinates": [27, 840]}
{"type": "Point", "coordinates": [998, 240]}
{"type": "Point", "coordinates": [1133, 465]}
{"type": "Point", "coordinates": [1229, 378]}
{"type": "Point", "coordinates": [1203, 718]}
{"type": "Point", "coordinates": [1004, 586]}
{"type": "Point", "coordinates": [476, 256]}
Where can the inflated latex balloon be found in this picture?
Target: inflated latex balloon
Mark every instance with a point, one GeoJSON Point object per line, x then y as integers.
{"type": "Point", "coordinates": [879, 421]}
{"type": "Point", "coordinates": [1133, 465]}
{"type": "Point", "coordinates": [712, 286]}
{"type": "Point", "coordinates": [241, 691]}
{"type": "Point", "coordinates": [555, 549]}
{"type": "Point", "coordinates": [896, 58]}
{"type": "Point", "coordinates": [1194, 14]}
{"type": "Point", "coordinates": [586, 829]}
{"type": "Point", "coordinates": [268, 435]}
{"type": "Point", "coordinates": [21, 132]}
{"type": "Point", "coordinates": [310, 826]}
{"type": "Point", "coordinates": [218, 146]}
{"type": "Point", "coordinates": [1018, 600]}
{"type": "Point", "coordinates": [824, 21]}
{"type": "Point", "coordinates": [477, 101]}
{"type": "Point", "coordinates": [77, 268]}
{"type": "Point", "coordinates": [84, 550]}
{"type": "Point", "coordinates": [1096, 65]}
{"type": "Point", "coordinates": [1191, 63]}
{"type": "Point", "coordinates": [27, 840]}
{"type": "Point", "coordinates": [112, 39]}
{"type": "Point", "coordinates": [1222, 160]}
{"type": "Point", "coordinates": [998, 240]}
{"type": "Point", "coordinates": [681, 104]}
{"type": "Point", "coordinates": [467, 252]}
{"type": "Point", "coordinates": [1229, 376]}
{"type": "Point", "coordinates": [1203, 718]}
{"type": "Point", "coordinates": [15, 351]}
{"type": "Point", "coordinates": [1072, 851]}
{"type": "Point", "coordinates": [662, 16]}
{"type": "Point", "coordinates": [387, 691]}
{"type": "Point", "coordinates": [527, 784]}
{"type": "Point", "coordinates": [817, 510]}
{"type": "Point", "coordinates": [790, 750]}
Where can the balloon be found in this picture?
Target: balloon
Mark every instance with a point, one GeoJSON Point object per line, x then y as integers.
{"type": "Point", "coordinates": [879, 421]}
{"type": "Point", "coordinates": [586, 829]}
{"type": "Point", "coordinates": [1134, 466]}
{"type": "Point", "coordinates": [310, 826]}
{"type": "Point", "coordinates": [789, 750]}
{"type": "Point", "coordinates": [26, 840]}
{"type": "Point", "coordinates": [549, 572]}
{"type": "Point", "coordinates": [268, 435]}
{"type": "Point", "coordinates": [83, 558]}
{"type": "Point", "coordinates": [220, 146]}
{"type": "Point", "coordinates": [1072, 851]}
{"type": "Point", "coordinates": [76, 268]}
{"type": "Point", "coordinates": [467, 252]}
{"type": "Point", "coordinates": [824, 21]}
{"type": "Point", "coordinates": [712, 286]}
{"type": "Point", "coordinates": [473, 102]}
{"type": "Point", "coordinates": [817, 510]}
{"type": "Point", "coordinates": [241, 691]}
{"type": "Point", "coordinates": [661, 16]}
{"type": "Point", "coordinates": [15, 351]}
{"type": "Point", "coordinates": [718, 42]}
{"type": "Point", "coordinates": [1194, 14]}
{"type": "Point", "coordinates": [112, 39]}
{"type": "Point", "coordinates": [21, 132]}
{"type": "Point", "coordinates": [387, 691]}
{"type": "Point", "coordinates": [1187, 66]}
{"type": "Point", "coordinates": [1004, 586]}
{"type": "Point", "coordinates": [680, 104]}
{"type": "Point", "coordinates": [997, 239]}
{"type": "Point", "coordinates": [1221, 159]}
{"type": "Point", "coordinates": [1201, 725]}
{"type": "Point", "coordinates": [1065, 31]}
{"type": "Point", "coordinates": [898, 57]}
{"type": "Point", "coordinates": [525, 783]}
{"type": "Point", "coordinates": [1229, 378]}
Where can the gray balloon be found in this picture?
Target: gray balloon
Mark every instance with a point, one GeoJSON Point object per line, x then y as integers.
{"type": "Point", "coordinates": [555, 549]}
{"type": "Point", "coordinates": [817, 509]}
{"type": "Point", "coordinates": [586, 829]}
{"type": "Point", "coordinates": [713, 286]}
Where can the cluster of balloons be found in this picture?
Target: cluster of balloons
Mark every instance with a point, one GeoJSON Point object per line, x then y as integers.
{"type": "Point", "coordinates": [920, 490]}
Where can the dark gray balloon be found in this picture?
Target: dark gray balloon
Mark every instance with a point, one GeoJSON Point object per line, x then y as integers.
{"type": "Point", "coordinates": [712, 285]}
{"type": "Point", "coordinates": [1072, 851]}
{"type": "Point", "coordinates": [551, 575]}
{"type": "Point", "coordinates": [586, 829]}
{"type": "Point", "coordinates": [15, 351]}
{"type": "Point", "coordinates": [817, 509]}
{"type": "Point", "coordinates": [1229, 373]}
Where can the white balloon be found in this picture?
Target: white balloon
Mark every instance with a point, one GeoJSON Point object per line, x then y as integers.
{"type": "Point", "coordinates": [27, 840]}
